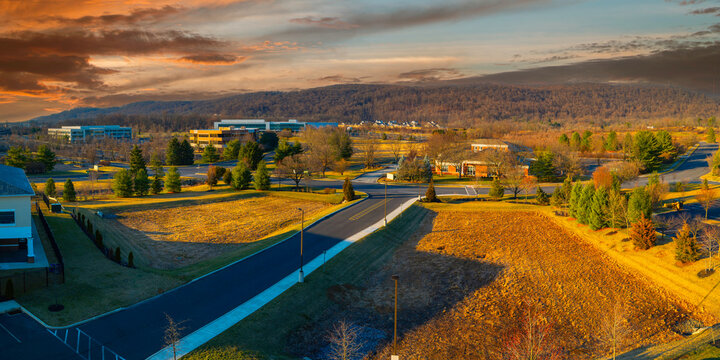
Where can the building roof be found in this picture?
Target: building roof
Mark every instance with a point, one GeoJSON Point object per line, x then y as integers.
{"type": "Point", "coordinates": [496, 142]}
{"type": "Point", "coordinates": [13, 182]}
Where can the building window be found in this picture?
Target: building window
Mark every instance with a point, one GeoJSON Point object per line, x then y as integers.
{"type": "Point", "coordinates": [444, 168]}
{"type": "Point", "coordinates": [471, 170]}
{"type": "Point", "coordinates": [7, 217]}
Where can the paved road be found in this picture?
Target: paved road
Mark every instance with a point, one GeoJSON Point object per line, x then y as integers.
{"type": "Point", "coordinates": [688, 172]}
{"type": "Point", "coordinates": [21, 337]}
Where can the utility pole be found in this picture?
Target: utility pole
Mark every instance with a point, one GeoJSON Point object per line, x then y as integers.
{"type": "Point", "coordinates": [301, 275]}
{"type": "Point", "coordinates": [395, 355]}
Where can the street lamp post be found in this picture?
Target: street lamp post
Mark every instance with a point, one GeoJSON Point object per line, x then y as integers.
{"type": "Point", "coordinates": [301, 275]}
{"type": "Point", "coordinates": [385, 203]}
{"type": "Point", "coordinates": [395, 355]}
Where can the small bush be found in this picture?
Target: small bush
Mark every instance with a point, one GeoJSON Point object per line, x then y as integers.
{"type": "Point", "coordinates": [329, 191]}
{"type": "Point", "coordinates": [9, 290]}
{"type": "Point", "coordinates": [118, 255]}
{"type": "Point", "coordinates": [131, 260]}
{"type": "Point", "coordinates": [430, 195]}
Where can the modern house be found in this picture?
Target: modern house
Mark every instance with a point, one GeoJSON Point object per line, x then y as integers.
{"type": "Point", "coordinates": [262, 125]}
{"type": "Point", "coordinates": [75, 134]}
{"type": "Point", "coordinates": [16, 225]}
{"type": "Point", "coordinates": [219, 137]}
{"type": "Point", "coordinates": [477, 168]}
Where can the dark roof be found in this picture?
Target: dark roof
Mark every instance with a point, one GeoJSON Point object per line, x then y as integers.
{"type": "Point", "coordinates": [14, 182]}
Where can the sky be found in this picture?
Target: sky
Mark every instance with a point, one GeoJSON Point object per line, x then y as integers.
{"type": "Point", "coordinates": [59, 54]}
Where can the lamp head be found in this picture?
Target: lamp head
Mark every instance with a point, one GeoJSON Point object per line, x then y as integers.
{"type": "Point", "coordinates": [395, 277]}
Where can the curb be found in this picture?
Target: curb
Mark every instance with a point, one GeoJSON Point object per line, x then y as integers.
{"type": "Point", "coordinates": [187, 283]}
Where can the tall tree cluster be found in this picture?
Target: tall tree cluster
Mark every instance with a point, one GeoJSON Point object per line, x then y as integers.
{"type": "Point", "coordinates": [179, 153]}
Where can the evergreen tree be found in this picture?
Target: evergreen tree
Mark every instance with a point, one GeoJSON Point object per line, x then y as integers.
{"type": "Point", "coordinates": [187, 154]}
{"type": "Point", "coordinates": [544, 167]}
{"type": "Point", "coordinates": [705, 185]}
{"type": "Point", "coordinates": [99, 239]}
{"type": "Point", "coordinates": [69, 191]}
{"type": "Point", "coordinates": [497, 190]}
{"type": "Point", "coordinates": [268, 140]}
{"type": "Point", "coordinates": [611, 143]}
{"type": "Point", "coordinates": [137, 162]}
{"type": "Point", "coordinates": [227, 177]}
{"type": "Point", "coordinates": [348, 190]}
{"type": "Point", "coordinates": [157, 185]}
{"type": "Point", "coordinates": [564, 140]}
{"type": "Point", "coordinates": [262, 177]}
{"type": "Point", "coordinates": [617, 208]}
{"type": "Point", "coordinates": [574, 200]}
{"type": "Point", "coordinates": [9, 290]}
{"type": "Point", "coordinates": [430, 195]}
{"type": "Point", "coordinates": [686, 247]}
{"type": "Point", "coordinates": [646, 150]}
{"type": "Point", "coordinates": [210, 154]}
{"type": "Point", "coordinates": [284, 150]}
{"type": "Point", "coordinates": [50, 187]}
{"type": "Point", "coordinates": [172, 181]}
{"type": "Point", "coordinates": [142, 183]}
{"type": "Point", "coordinates": [575, 140]}
{"type": "Point", "coordinates": [710, 137]}
{"type": "Point", "coordinates": [556, 197]}
{"type": "Point", "coordinates": [232, 149]}
{"type": "Point", "coordinates": [542, 196]}
{"type": "Point", "coordinates": [46, 157]}
{"type": "Point", "coordinates": [173, 155]}
{"type": "Point", "coordinates": [642, 233]}
{"type": "Point", "coordinates": [123, 183]}
{"type": "Point", "coordinates": [251, 154]}
{"type": "Point", "coordinates": [599, 209]}
{"type": "Point", "coordinates": [17, 157]}
{"type": "Point", "coordinates": [667, 150]}
{"type": "Point", "coordinates": [156, 165]}
{"type": "Point", "coordinates": [118, 255]}
{"type": "Point", "coordinates": [241, 176]}
{"type": "Point", "coordinates": [566, 189]}
{"type": "Point", "coordinates": [131, 260]}
{"type": "Point", "coordinates": [342, 142]}
{"type": "Point", "coordinates": [639, 205]}
{"type": "Point", "coordinates": [585, 203]}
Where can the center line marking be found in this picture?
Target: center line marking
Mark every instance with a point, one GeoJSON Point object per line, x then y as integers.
{"type": "Point", "coordinates": [11, 334]}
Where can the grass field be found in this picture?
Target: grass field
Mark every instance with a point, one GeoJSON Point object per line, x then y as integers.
{"type": "Point", "coordinates": [95, 285]}
{"type": "Point", "coordinates": [175, 234]}
{"type": "Point", "coordinates": [465, 270]}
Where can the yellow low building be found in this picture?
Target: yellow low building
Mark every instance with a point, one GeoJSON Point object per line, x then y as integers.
{"type": "Point", "coordinates": [218, 138]}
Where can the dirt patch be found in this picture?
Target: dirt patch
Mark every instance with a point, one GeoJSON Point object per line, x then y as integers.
{"type": "Point", "coordinates": [178, 236]}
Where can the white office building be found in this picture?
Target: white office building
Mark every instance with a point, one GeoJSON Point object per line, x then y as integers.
{"type": "Point", "coordinates": [75, 134]}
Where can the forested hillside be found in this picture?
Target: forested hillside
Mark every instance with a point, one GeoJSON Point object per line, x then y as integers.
{"type": "Point", "coordinates": [457, 105]}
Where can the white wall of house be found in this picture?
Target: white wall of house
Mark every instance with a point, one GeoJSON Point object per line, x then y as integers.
{"type": "Point", "coordinates": [23, 217]}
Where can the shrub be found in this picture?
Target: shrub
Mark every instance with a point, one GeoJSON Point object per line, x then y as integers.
{"type": "Point", "coordinates": [9, 290]}
{"type": "Point", "coordinates": [430, 195]}
{"type": "Point", "coordinates": [69, 191]}
{"type": "Point", "coordinates": [172, 181]}
{"type": "Point", "coordinates": [90, 228]}
{"type": "Point", "coordinates": [642, 233]}
{"type": "Point", "coordinates": [497, 190]}
{"type": "Point", "coordinates": [639, 205]}
{"type": "Point", "coordinates": [241, 176]}
{"type": "Point", "coordinates": [118, 255]}
{"type": "Point", "coordinates": [123, 183]}
{"type": "Point", "coordinates": [329, 191]}
{"type": "Point", "coordinates": [142, 183]}
{"type": "Point", "coordinates": [131, 260]}
{"type": "Point", "coordinates": [542, 197]}
{"type": "Point", "coordinates": [156, 186]}
{"type": "Point", "coordinates": [98, 239]}
{"type": "Point", "coordinates": [348, 190]}
{"type": "Point", "coordinates": [556, 198]}
{"type": "Point", "coordinates": [50, 187]}
{"type": "Point", "coordinates": [599, 209]}
{"type": "Point", "coordinates": [227, 178]}
{"type": "Point", "coordinates": [262, 177]}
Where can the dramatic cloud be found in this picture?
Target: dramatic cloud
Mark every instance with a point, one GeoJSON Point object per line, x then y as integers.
{"type": "Point", "coordinates": [213, 59]}
{"type": "Point", "coordinates": [141, 15]}
{"type": "Point", "coordinates": [433, 74]}
{"type": "Point", "coordinates": [692, 67]}
{"type": "Point", "coordinates": [340, 79]}
{"type": "Point", "coordinates": [326, 22]}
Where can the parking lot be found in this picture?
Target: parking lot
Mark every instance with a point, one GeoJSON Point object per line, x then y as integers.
{"type": "Point", "coordinates": [21, 337]}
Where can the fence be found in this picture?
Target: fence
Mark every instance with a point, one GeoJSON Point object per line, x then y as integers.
{"type": "Point", "coordinates": [84, 345]}
{"type": "Point", "coordinates": [60, 268]}
{"type": "Point", "coordinates": [26, 280]}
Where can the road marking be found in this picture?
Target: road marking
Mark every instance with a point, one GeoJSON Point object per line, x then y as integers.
{"type": "Point", "coordinates": [366, 211]}
{"type": "Point", "coordinates": [11, 334]}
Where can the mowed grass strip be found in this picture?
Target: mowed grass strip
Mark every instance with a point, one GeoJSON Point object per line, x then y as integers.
{"type": "Point", "coordinates": [267, 330]}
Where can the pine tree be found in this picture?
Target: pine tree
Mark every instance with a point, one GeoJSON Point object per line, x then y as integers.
{"type": "Point", "coordinates": [556, 197]}
{"type": "Point", "coordinates": [69, 191]}
{"type": "Point", "coordinates": [710, 137]}
{"type": "Point", "coordinates": [251, 154]}
{"type": "Point", "coordinates": [617, 208]}
{"type": "Point", "coordinates": [497, 190]}
{"type": "Point", "coordinates": [642, 233]}
{"type": "Point", "coordinates": [232, 149]}
{"type": "Point", "coordinates": [348, 190]}
{"type": "Point", "coordinates": [137, 162]}
{"type": "Point", "coordinates": [585, 203]}
{"type": "Point", "coordinates": [542, 196]}
{"type": "Point", "coordinates": [50, 187]}
{"type": "Point", "coordinates": [262, 177]}
{"type": "Point", "coordinates": [118, 255]}
{"type": "Point", "coordinates": [574, 199]}
{"type": "Point", "coordinates": [227, 177]}
{"type": "Point", "coordinates": [639, 205]}
{"type": "Point", "coordinates": [210, 154]}
{"type": "Point", "coordinates": [686, 247]}
{"type": "Point", "coordinates": [566, 190]}
{"type": "Point", "coordinates": [187, 154]}
{"type": "Point", "coordinates": [156, 165]}
{"type": "Point", "coordinates": [157, 185]}
{"type": "Point", "coordinates": [241, 176]}
{"type": "Point", "coordinates": [142, 183]}
{"type": "Point", "coordinates": [599, 209]}
{"type": "Point", "coordinates": [172, 181]}
{"type": "Point", "coordinates": [172, 154]}
{"type": "Point", "coordinates": [123, 183]}
{"type": "Point", "coordinates": [46, 157]}
{"type": "Point", "coordinates": [131, 260]}
{"type": "Point", "coordinates": [564, 140]}
{"type": "Point", "coordinates": [430, 195]}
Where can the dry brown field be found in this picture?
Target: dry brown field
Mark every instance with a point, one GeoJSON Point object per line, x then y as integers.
{"type": "Point", "coordinates": [176, 236]}
{"type": "Point", "coordinates": [501, 261]}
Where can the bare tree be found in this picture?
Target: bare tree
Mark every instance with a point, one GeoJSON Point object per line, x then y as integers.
{"type": "Point", "coordinates": [514, 180]}
{"type": "Point", "coordinates": [396, 148]}
{"type": "Point", "coordinates": [706, 197]}
{"type": "Point", "coordinates": [528, 184]}
{"type": "Point", "coordinates": [320, 149]}
{"type": "Point", "coordinates": [568, 164]}
{"type": "Point", "coordinates": [499, 162]}
{"type": "Point", "coordinates": [710, 242]}
{"type": "Point", "coordinates": [172, 334]}
{"type": "Point", "coordinates": [294, 168]}
{"type": "Point", "coordinates": [614, 328]}
{"type": "Point", "coordinates": [344, 342]}
{"type": "Point", "coordinates": [341, 166]}
{"type": "Point", "coordinates": [368, 154]}
{"type": "Point", "coordinates": [532, 340]}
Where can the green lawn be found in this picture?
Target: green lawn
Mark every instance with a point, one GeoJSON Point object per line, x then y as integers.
{"type": "Point", "coordinates": [265, 331]}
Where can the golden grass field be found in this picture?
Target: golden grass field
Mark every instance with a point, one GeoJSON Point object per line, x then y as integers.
{"type": "Point", "coordinates": [167, 237]}
{"type": "Point", "coordinates": [575, 284]}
